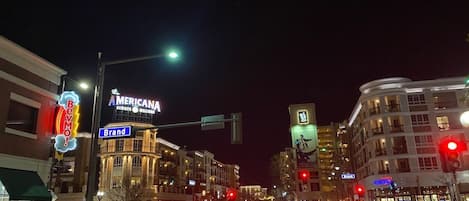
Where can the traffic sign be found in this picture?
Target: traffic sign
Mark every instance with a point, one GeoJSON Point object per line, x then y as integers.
{"type": "Point", "coordinates": [115, 132]}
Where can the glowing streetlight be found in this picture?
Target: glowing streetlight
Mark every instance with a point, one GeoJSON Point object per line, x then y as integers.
{"type": "Point", "coordinates": [464, 119]}
{"type": "Point", "coordinates": [84, 85]}
{"type": "Point", "coordinates": [173, 55]}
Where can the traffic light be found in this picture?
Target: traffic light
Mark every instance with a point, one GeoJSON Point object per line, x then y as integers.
{"type": "Point", "coordinates": [359, 190]}
{"type": "Point", "coordinates": [231, 194]}
{"type": "Point", "coordinates": [303, 175]}
{"type": "Point", "coordinates": [450, 152]}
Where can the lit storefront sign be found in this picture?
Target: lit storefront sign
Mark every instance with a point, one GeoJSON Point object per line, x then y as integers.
{"type": "Point", "coordinates": [115, 132]}
{"type": "Point", "coordinates": [132, 104]}
{"type": "Point", "coordinates": [303, 117]}
{"type": "Point", "coordinates": [383, 181]}
{"type": "Point", "coordinates": [66, 122]}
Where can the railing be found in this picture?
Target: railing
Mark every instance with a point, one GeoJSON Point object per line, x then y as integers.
{"type": "Point", "coordinates": [447, 126]}
{"type": "Point", "coordinates": [377, 130]}
{"type": "Point", "coordinates": [397, 128]}
{"type": "Point", "coordinates": [393, 108]}
{"type": "Point", "coordinates": [399, 150]}
{"type": "Point", "coordinates": [380, 152]}
{"type": "Point", "coordinates": [375, 110]}
{"type": "Point", "coordinates": [446, 104]}
{"type": "Point", "coordinates": [385, 171]}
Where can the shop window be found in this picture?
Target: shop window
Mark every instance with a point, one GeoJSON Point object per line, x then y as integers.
{"type": "Point", "coordinates": [22, 117]}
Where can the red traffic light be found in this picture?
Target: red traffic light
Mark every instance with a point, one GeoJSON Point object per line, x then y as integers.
{"type": "Point", "coordinates": [452, 146]}
{"type": "Point", "coordinates": [360, 190]}
{"type": "Point", "coordinates": [231, 194]}
{"type": "Point", "coordinates": [303, 175]}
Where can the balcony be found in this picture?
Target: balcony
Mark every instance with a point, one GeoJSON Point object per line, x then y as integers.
{"type": "Point", "coordinates": [383, 171]}
{"type": "Point", "coordinates": [397, 128]}
{"type": "Point", "coordinates": [393, 108]}
{"type": "Point", "coordinates": [380, 152]}
{"type": "Point", "coordinates": [426, 128]}
{"type": "Point", "coordinates": [375, 110]}
{"type": "Point", "coordinates": [399, 150]}
{"type": "Point", "coordinates": [445, 105]}
{"type": "Point", "coordinates": [377, 130]}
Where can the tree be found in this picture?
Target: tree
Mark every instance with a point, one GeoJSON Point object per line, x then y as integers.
{"type": "Point", "coordinates": [127, 193]}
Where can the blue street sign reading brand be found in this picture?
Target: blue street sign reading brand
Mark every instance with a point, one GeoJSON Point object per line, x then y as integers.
{"type": "Point", "coordinates": [115, 132]}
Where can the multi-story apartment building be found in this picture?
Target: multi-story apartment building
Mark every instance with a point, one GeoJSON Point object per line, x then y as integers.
{"type": "Point", "coordinates": [149, 168]}
{"type": "Point", "coordinates": [27, 101]}
{"type": "Point", "coordinates": [327, 145]}
{"type": "Point", "coordinates": [284, 174]}
{"type": "Point", "coordinates": [396, 127]}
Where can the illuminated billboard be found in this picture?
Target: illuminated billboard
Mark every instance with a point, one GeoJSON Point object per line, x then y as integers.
{"type": "Point", "coordinates": [66, 122]}
{"type": "Point", "coordinates": [304, 134]}
{"type": "Point", "coordinates": [133, 104]}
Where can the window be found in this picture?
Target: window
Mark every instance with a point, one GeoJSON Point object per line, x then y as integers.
{"type": "Point", "coordinates": [416, 99]}
{"type": "Point", "coordinates": [425, 140]}
{"type": "Point", "coordinates": [118, 161]}
{"type": "Point", "coordinates": [403, 165]}
{"type": "Point", "coordinates": [138, 145]}
{"type": "Point", "coordinates": [428, 163]}
{"type": "Point", "coordinates": [116, 182]}
{"type": "Point", "coordinates": [445, 100]}
{"type": "Point", "coordinates": [137, 161]}
{"type": "Point", "coordinates": [119, 145]}
{"type": "Point", "coordinates": [443, 123]}
{"type": "Point", "coordinates": [419, 119]}
{"type": "Point", "coordinates": [22, 117]}
{"type": "Point", "coordinates": [315, 187]}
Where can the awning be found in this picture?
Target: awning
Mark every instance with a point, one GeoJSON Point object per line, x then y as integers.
{"type": "Point", "coordinates": [24, 185]}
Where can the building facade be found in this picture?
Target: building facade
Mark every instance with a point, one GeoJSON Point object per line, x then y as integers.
{"type": "Point", "coordinates": [28, 100]}
{"type": "Point", "coordinates": [303, 129]}
{"type": "Point", "coordinates": [145, 167]}
{"type": "Point", "coordinates": [396, 126]}
{"type": "Point", "coordinates": [327, 145]}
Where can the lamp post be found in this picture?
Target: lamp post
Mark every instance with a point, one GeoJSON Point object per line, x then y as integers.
{"type": "Point", "coordinates": [100, 195]}
{"type": "Point", "coordinates": [96, 117]}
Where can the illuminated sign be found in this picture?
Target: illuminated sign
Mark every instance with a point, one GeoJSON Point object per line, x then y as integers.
{"type": "Point", "coordinates": [383, 181]}
{"type": "Point", "coordinates": [66, 122]}
{"type": "Point", "coordinates": [347, 176]}
{"type": "Point", "coordinates": [132, 104]}
{"type": "Point", "coordinates": [191, 182]}
{"type": "Point", "coordinates": [303, 117]}
{"type": "Point", "coordinates": [115, 132]}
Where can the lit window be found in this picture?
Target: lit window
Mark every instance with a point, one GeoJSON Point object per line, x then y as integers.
{"type": "Point", "coordinates": [118, 161]}
{"type": "Point", "coordinates": [119, 145]}
{"type": "Point", "coordinates": [138, 145]}
{"type": "Point", "coordinates": [137, 161]}
{"type": "Point", "coordinates": [443, 123]}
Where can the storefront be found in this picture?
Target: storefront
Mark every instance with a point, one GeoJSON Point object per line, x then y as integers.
{"type": "Point", "coordinates": [434, 193]}
{"type": "Point", "coordinates": [22, 185]}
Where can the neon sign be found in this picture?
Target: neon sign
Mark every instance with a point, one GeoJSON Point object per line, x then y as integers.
{"type": "Point", "coordinates": [66, 122]}
{"type": "Point", "coordinates": [132, 104]}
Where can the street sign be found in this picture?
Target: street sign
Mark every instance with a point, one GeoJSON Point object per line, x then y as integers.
{"type": "Point", "coordinates": [347, 176]}
{"type": "Point", "coordinates": [115, 132]}
{"type": "Point", "coordinates": [212, 122]}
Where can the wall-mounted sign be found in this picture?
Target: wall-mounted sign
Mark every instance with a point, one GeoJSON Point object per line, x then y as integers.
{"type": "Point", "coordinates": [303, 117]}
{"type": "Point", "coordinates": [66, 122]}
{"type": "Point", "coordinates": [115, 132]}
{"type": "Point", "coordinates": [133, 104]}
{"type": "Point", "coordinates": [383, 181]}
{"type": "Point", "coordinates": [346, 176]}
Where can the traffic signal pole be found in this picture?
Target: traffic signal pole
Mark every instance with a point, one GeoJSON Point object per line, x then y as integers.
{"type": "Point", "coordinates": [457, 195]}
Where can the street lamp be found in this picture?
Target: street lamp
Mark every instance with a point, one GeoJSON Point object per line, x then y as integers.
{"type": "Point", "coordinates": [100, 195]}
{"type": "Point", "coordinates": [96, 117]}
{"type": "Point", "coordinates": [464, 119]}
{"type": "Point", "coordinates": [81, 84]}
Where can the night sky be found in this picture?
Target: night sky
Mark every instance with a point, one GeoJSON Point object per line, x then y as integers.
{"type": "Point", "coordinates": [245, 56]}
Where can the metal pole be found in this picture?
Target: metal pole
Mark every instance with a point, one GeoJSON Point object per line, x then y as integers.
{"type": "Point", "coordinates": [96, 120]}
{"type": "Point", "coordinates": [457, 196]}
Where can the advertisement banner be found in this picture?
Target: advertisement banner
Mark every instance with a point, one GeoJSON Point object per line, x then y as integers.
{"type": "Point", "coordinates": [304, 134]}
